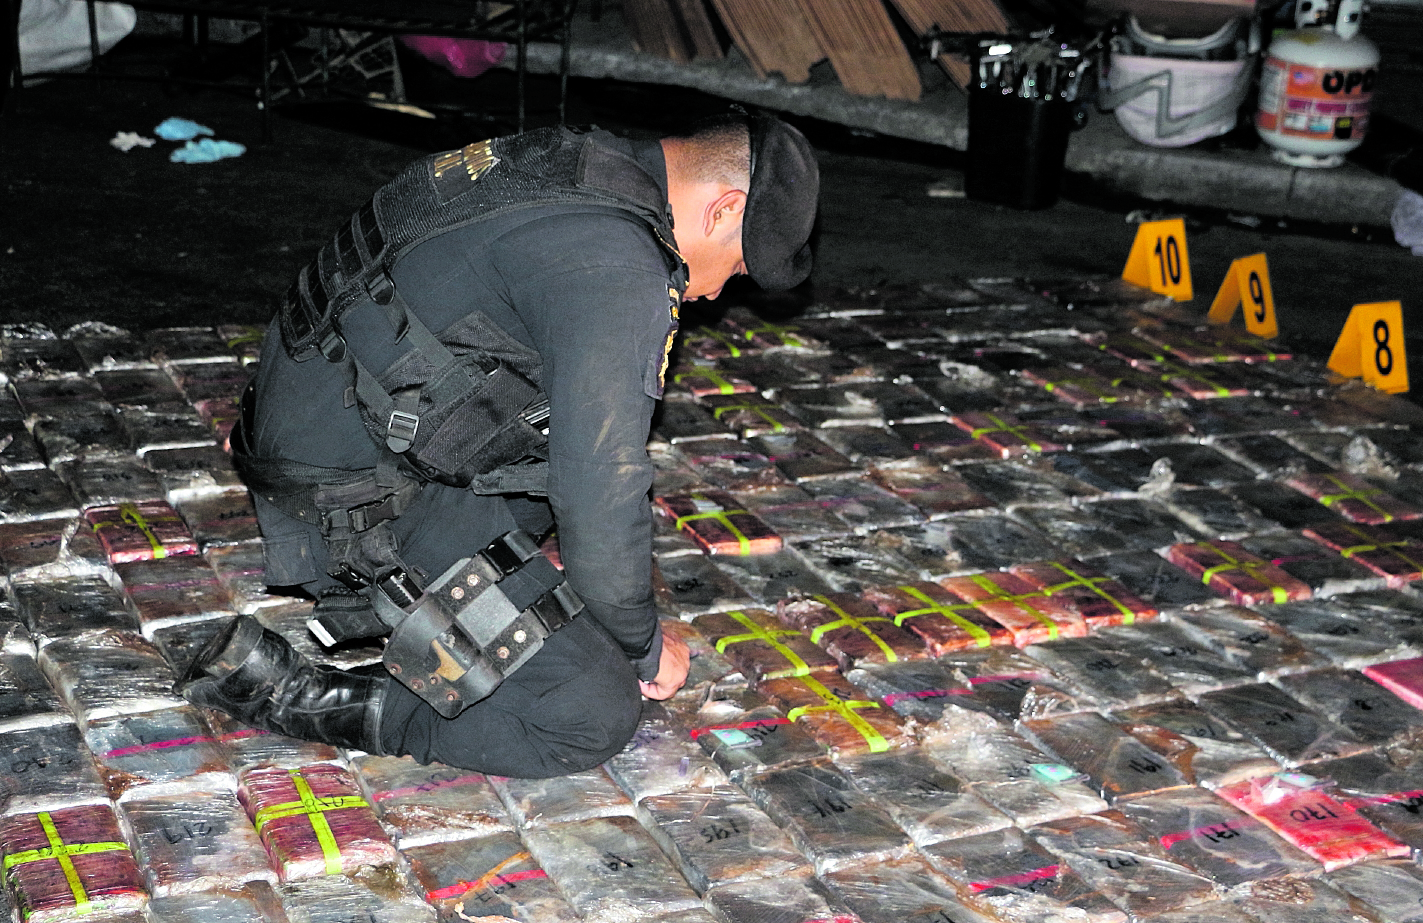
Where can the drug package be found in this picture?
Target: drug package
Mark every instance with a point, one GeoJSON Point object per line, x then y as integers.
{"type": "Point", "coordinates": [746, 734]}
{"type": "Point", "coordinates": [827, 818]}
{"type": "Point", "coordinates": [840, 717]}
{"type": "Point", "coordinates": [314, 821]}
{"type": "Point", "coordinates": [1300, 808]}
{"type": "Point", "coordinates": [141, 531]}
{"type": "Point", "coordinates": [719, 835]}
{"type": "Point", "coordinates": [64, 864]}
{"type": "Point", "coordinates": [1190, 666]}
{"type": "Point", "coordinates": [1366, 708]}
{"type": "Point", "coordinates": [790, 899]}
{"type": "Point", "coordinates": [378, 894]}
{"type": "Point", "coordinates": [241, 571]}
{"type": "Point", "coordinates": [749, 415]}
{"type": "Point", "coordinates": [1204, 749]}
{"type": "Point", "coordinates": [769, 577]}
{"type": "Point", "coordinates": [802, 457]}
{"type": "Point", "coordinates": [719, 524]}
{"type": "Point", "coordinates": [488, 876]}
{"type": "Point", "coordinates": [1354, 498]}
{"type": "Point", "coordinates": [1097, 598]}
{"type": "Point", "coordinates": [1007, 684]}
{"type": "Point", "coordinates": [110, 481]}
{"type": "Point", "coordinates": [915, 689]}
{"type": "Point", "coordinates": [172, 591]}
{"type": "Point", "coordinates": [794, 514]}
{"type": "Point", "coordinates": [1022, 608]}
{"type": "Point", "coordinates": [1104, 670]}
{"type": "Point", "coordinates": [561, 799]}
{"type": "Point", "coordinates": [762, 646]}
{"type": "Point", "coordinates": [195, 841]}
{"type": "Point", "coordinates": [1345, 634]}
{"type": "Point", "coordinates": [901, 891]}
{"type": "Point", "coordinates": [660, 759]}
{"type": "Point", "coordinates": [256, 902]}
{"type": "Point", "coordinates": [1391, 888]}
{"type": "Point", "coordinates": [72, 607]}
{"type": "Point", "coordinates": [51, 549]}
{"type": "Point", "coordinates": [1116, 764]}
{"type": "Point", "coordinates": [1125, 864]}
{"type": "Point", "coordinates": [1290, 731]}
{"type": "Point", "coordinates": [862, 504]}
{"type": "Point", "coordinates": [227, 518]}
{"type": "Point", "coordinates": [936, 491]}
{"type": "Point", "coordinates": [1217, 512]}
{"type": "Point", "coordinates": [687, 585]}
{"type": "Point", "coordinates": [1155, 580]}
{"type": "Point", "coordinates": [942, 621]}
{"type": "Point", "coordinates": [1235, 573]}
{"type": "Point", "coordinates": [157, 752]}
{"type": "Point", "coordinates": [49, 767]}
{"type": "Point", "coordinates": [248, 747]}
{"type": "Point", "coordinates": [108, 673]}
{"type": "Point", "coordinates": [1397, 559]}
{"type": "Point", "coordinates": [609, 865]}
{"type": "Point", "coordinates": [703, 379]}
{"type": "Point", "coordinates": [850, 629]}
{"type": "Point", "coordinates": [1005, 434]}
{"type": "Point", "coordinates": [1326, 572]}
{"type": "Point", "coordinates": [421, 804]}
{"type": "Point", "coordinates": [850, 563]}
{"type": "Point", "coordinates": [1014, 879]}
{"type": "Point", "coordinates": [927, 801]}
{"type": "Point", "coordinates": [26, 699]}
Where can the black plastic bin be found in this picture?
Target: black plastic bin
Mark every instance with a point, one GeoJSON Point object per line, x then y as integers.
{"type": "Point", "coordinates": [1016, 147]}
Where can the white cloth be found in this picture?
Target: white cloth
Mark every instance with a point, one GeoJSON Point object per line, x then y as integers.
{"type": "Point", "coordinates": [54, 34]}
{"type": "Point", "coordinates": [1408, 221]}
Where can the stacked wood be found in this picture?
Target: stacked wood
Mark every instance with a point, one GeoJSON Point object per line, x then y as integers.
{"type": "Point", "coordinates": [775, 35]}
{"type": "Point", "coordinates": [679, 30]}
{"type": "Point", "coordinates": [954, 16]}
{"type": "Point", "coordinates": [864, 47]}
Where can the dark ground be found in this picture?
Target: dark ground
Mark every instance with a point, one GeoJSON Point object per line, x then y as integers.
{"type": "Point", "coordinates": [90, 233]}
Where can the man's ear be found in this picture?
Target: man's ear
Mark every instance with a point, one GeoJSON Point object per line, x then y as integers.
{"type": "Point", "coordinates": [729, 206]}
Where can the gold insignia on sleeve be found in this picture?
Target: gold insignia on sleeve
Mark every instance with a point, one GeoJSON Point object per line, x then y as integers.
{"type": "Point", "coordinates": [673, 322]}
{"type": "Point", "coordinates": [477, 159]}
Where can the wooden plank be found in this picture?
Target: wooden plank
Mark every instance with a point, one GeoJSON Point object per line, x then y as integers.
{"type": "Point", "coordinates": [954, 16]}
{"type": "Point", "coordinates": [864, 47]}
{"type": "Point", "coordinates": [655, 30]}
{"type": "Point", "coordinates": [773, 34]}
{"type": "Point", "coordinates": [697, 26]}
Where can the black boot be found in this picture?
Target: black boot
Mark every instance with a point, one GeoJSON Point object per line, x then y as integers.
{"type": "Point", "coordinates": [254, 675]}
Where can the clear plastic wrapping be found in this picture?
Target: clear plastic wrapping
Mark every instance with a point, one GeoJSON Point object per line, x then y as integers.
{"type": "Point", "coordinates": [1235, 573]}
{"type": "Point", "coordinates": [157, 428]}
{"type": "Point", "coordinates": [51, 549]}
{"type": "Point", "coordinates": [867, 445]}
{"type": "Point", "coordinates": [702, 378]}
{"type": "Point", "coordinates": [1326, 572]}
{"type": "Point", "coordinates": [141, 531]}
{"type": "Point", "coordinates": [1300, 900]}
{"type": "Point", "coordinates": [793, 513]}
{"type": "Point", "coordinates": [249, 748]}
{"type": "Point", "coordinates": [108, 673]}
{"type": "Point", "coordinates": [1156, 580]}
{"type": "Point", "coordinates": [1013, 878]}
{"type": "Point", "coordinates": [802, 457]}
{"type": "Point", "coordinates": [1340, 633]}
{"type": "Point", "coordinates": [747, 734]}
{"type": "Point", "coordinates": [489, 876]}
{"type": "Point", "coordinates": [1203, 748]}
{"type": "Point", "coordinates": [34, 493]}
{"type": "Point", "coordinates": [1076, 531]}
{"type": "Point", "coordinates": [1005, 434]}
{"type": "Point", "coordinates": [718, 836]}
{"type": "Point", "coordinates": [609, 866]}
{"type": "Point", "coordinates": [1368, 710]}
{"type": "Point", "coordinates": [252, 903]}
{"type": "Point", "coordinates": [192, 471]}
{"type": "Point", "coordinates": [1141, 524]}
{"type": "Point", "coordinates": [749, 414]}
{"type": "Point", "coordinates": [173, 345]}
{"type": "Point", "coordinates": [80, 431]}
{"type": "Point", "coordinates": [916, 689]}
{"type": "Point", "coordinates": [140, 387]}
{"type": "Point", "coordinates": [1288, 507]}
{"type": "Point", "coordinates": [1097, 598]}
{"type": "Point", "coordinates": [170, 591]}
{"type": "Point", "coordinates": [157, 752]}
{"type": "Point", "coordinates": [1123, 863]}
{"type": "Point", "coordinates": [900, 891]}
{"type": "Point", "coordinates": [1191, 666]}
{"type": "Point", "coordinates": [826, 817]}
{"type": "Point", "coordinates": [942, 441]}
{"type": "Point", "coordinates": [72, 607]}
{"type": "Point", "coordinates": [195, 841]}
{"type": "Point", "coordinates": [1290, 731]}
{"type": "Point", "coordinates": [561, 799]}
{"type": "Point", "coordinates": [228, 518]}
{"type": "Point", "coordinates": [934, 490]}
{"type": "Point", "coordinates": [376, 895]}
{"type": "Point", "coordinates": [68, 863]}
{"type": "Point", "coordinates": [202, 381]}
{"type": "Point", "coordinates": [852, 630]}
{"type": "Point", "coordinates": [992, 541]}
{"type": "Point", "coordinates": [1104, 671]}
{"type": "Point", "coordinates": [1017, 605]}
{"type": "Point", "coordinates": [1007, 684]}
{"type": "Point", "coordinates": [763, 647]}
{"type": "Point", "coordinates": [1302, 810]}
{"type": "Point", "coordinates": [770, 577]}
{"type": "Point", "coordinates": [20, 451]}
{"type": "Point", "coordinates": [26, 699]}
{"type": "Point", "coordinates": [1117, 764]}
{"type": "Point", "coordinates": [1354, 498]}
{"type": "Point", "coordinates": [840, 717]}
{"type": "Point", "coordinates": [47, 767]}
{"type": "Point", "coordinates": [1386, 787]}
{"type": "Point", "coordinates": [55, 397]}
{"type": "Point", "coordinates": [850, 563]}
{"type": "Point", "coordinates": [732, 465]}
{"type": "Point", "coordinates": [241, 572]}
{"type": "Point", "coordinates": [110, 481]}
{"type": "Point", "coordinates": [1214, 512]}
{"type": "Point", "coordinates": [1392, 888]}
{"type": "Point", "coordinates": [942, 621]}
{"type": "Point", "coordinates": [661, 759]}
{"type": "Point", "coordinates": [689, 584]}
{"type": "Point", "coordinates": [1249, 639]}
{"type": "Point", "coordinates": [679, 422]}
{"type": "Point", "coordinates": [929, 803]}
{"type": "Point", "coordinates": [776, 900]}
{"type": "Point", "coordinates": [313, 821]}
{"type": "Point", "coordinates": [422, 804]}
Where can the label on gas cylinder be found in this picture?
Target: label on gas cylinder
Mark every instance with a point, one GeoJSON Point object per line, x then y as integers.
{"type": "Point", "coordinates": [1318, 103]}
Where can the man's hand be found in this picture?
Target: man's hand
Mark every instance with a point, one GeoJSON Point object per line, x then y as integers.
{"type": "Point", "coordinates": [671, 669]}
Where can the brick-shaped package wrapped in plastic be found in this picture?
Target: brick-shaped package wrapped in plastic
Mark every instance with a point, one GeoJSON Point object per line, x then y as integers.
{"type": "Point", "coordinates": [1354, 498]}
{"type": "Point", "coordinates": [1082, 387]}
{"type": "Point", "coordinates": [51, 549]}
{"type": "Point", "coordinates": [865, 505]}
{"type": "Point", "coordinates": [249, 747]}
{"type": "Point", "coordinates": [1203, 748]}
{"type": "Point", "coordinates": [719, 524]}
{"type": "Point", "coordinates": [562, 799]}
{"type": "Point", "coordinates": [764, 900]}
{"type": "Point", "coordinates": [314, 821]}
{"type": "Point", "coordinates": [381, 894]}
{"type": "Point", "coordinates": [1015, 879]}
{"type": "Point", "coordinates": [1017, 605]}
{"type": "Point", "coordinates": [173, 591]}
{"type": "Point", "coordinates": [930, 803]}
{"type": "Point", "coordinates": [769, 577]}
{"type": "Point", "coordinates": [110, 481]}
{"type": "Point", "coordinates": [228, 518]}
{"type": "Point", "coordinates": [1154, 579]}
{"type": "Point", "coordinates": [1108, 674]}
{"type": "Point", "coordinates": [34, 493]}
{"type": "Point", "coordinates": [1247, 638]}
{"type": "Point", "coordinates": [1367, 709]}
{"type": "Point", "coordinates": [703, 378]}
{"type": "Point", "coordinates": [71, 607]}
{"type": "Point", "coordinates": [943, 621]}
{"type": "Point", "coordinates": [850, 563]}
{"type": "Point", "coordinates": [1289, 730]}
{"type": "Point", "coordinates": [749, 414]}
{"type": "Point", "coordinates": [919, 689]}
{"type": "Point", "coordinates": [826, 817]}
{"type": "Point", "coordinates": [608, 866]}
{"type": "Point", "coordinates": [905, 890]}
{"type": "Point", "coordinates": [850, 629]}
{"type": "Point", "coordinates": [793, 513]}
{"type": "Point", "coordinates": [687, 585]}
{"type": "Point", "coordinates": [422, 804]}
{"type": "Point", "coordinates": [1187, 663]}
{"type": "Point", "coordinates": [48, 767]}
{"type": "Point", "coordinates": [108, 673]}
{"type": "Point", "coordinates": [1236, 574]}
{"type": "Point", "coordinates": [746, 734]}
{"type": "Point", "coordinates": [193, 471]}
{"type": "Point", "coordinates": [141, 531]}
{"type": "Point", "coordinates": [1005, 433]}
{"type": "Point", "coordinates": [490, 876]}
{"type": "Point", "coordinates": [1007, 684]}
{"type": "Point", "coordinates": [1301, 810]}
{"type": "Point", "coordinates": [1117, 764]}
{"type": "Point", "coordinates": [157, 752]}
{"type": "Point", "coordinates": [1392, 888]}
{"type": "Point", "coordinates": [1326, 572]}
{"type": "Point", "coordinates": [802, 457]}
{"type": "Point", "coordinates": [936, 491]}
{"type": "Point", "coordinates": [1214, 512]}
{"type": "Point", "coordinates": [26, 699]}
{"type": "Point", "coordinates": [241, 571]}
{"type": "Point", "coordinates": [1099, 599]}
{"type": "Point", "coordinates": [661, 759]}
{"type": "Point", "coordinates": [1348, 636]}
{"type": "Point", "coordinates": [731, 465]}
{"type": "Point", "coordinates": [763, 647]}
{"type": "Point", "coordinates": [842, 718]}
{"type": "Point", "coordinates": [65, 864]}
{"type": "Point", "coordinates": [719, 835]}
{"type": "Point", "coordinates": [1215, 838]}
{"type": "Point", "coordinates": [1397, 559]}
{"type": "Point", "coordinates": [243, 340]}
{"type": "Point", "coordinates": [195, 841]}
{"type": "Point", "coordinates": [1134, 872]}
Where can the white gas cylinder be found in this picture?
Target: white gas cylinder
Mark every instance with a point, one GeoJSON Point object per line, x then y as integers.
{"type": "Point", "coordinates": [1315, 88]}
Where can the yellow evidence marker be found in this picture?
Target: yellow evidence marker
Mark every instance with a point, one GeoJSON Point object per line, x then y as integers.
{"type": "Point", "coordinates": [1371, 347]}
{"type": "Point", "coordinates": [1247, 282]}
{"type": "Point", "coordinates": [1158, 260]}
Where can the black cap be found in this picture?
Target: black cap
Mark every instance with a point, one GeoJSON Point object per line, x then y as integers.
{"type": "Point", "coordinates": [780, 205]}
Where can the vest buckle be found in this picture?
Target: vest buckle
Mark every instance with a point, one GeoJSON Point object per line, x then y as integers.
{"type": "Point", "coordinates": [400, 431]}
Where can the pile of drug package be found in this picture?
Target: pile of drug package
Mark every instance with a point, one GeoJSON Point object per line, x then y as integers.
{"type": "Point", "coordinates": [1007, 600]}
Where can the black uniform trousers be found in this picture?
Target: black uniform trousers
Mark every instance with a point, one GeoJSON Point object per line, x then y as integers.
{"type": "Point", "coordinates": [573, 705]}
